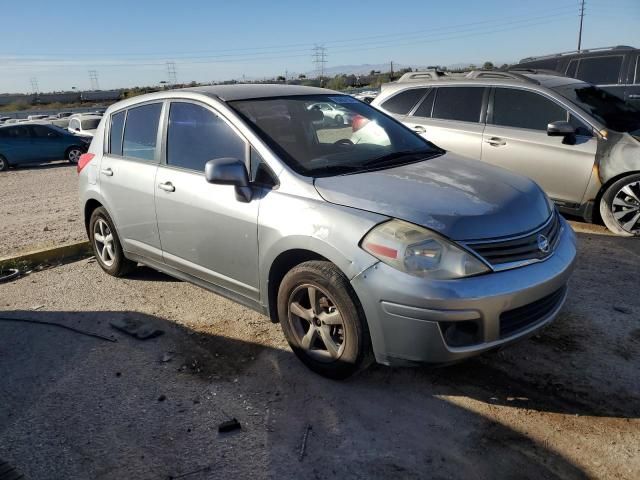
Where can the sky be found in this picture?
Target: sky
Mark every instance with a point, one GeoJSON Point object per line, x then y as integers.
{"type": "Point", "coordinates": [52, 45]}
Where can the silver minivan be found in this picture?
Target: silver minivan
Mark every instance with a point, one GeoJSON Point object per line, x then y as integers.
{"type": "Point", "coordinates": [580, 143]}
{"type": "Point", "coordinates": [387, 248]}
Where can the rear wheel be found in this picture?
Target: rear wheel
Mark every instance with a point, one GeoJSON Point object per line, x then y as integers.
{"type": "Point", "coordinates": [106, 245]}
{"type": "Point", "coordinates": [73, 154]}
{"type": "Point", "coordinates": [323, 321]}
{"type": "Point", "coordinates": [620, 206]}
{"type": "Point", "coordinates": [339, 120]}
{"type": "Point", "coordinates": [4, 164]}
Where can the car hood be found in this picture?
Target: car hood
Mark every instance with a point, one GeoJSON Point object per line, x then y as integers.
{"type": "Point", "coordinates": [459, 198]}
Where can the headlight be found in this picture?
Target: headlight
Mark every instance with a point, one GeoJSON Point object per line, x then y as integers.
{"type": "Point", "coordinates": [420, 252]}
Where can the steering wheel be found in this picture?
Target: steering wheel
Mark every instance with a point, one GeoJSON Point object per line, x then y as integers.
{"type": "Point", "coordinates": [343, 141]}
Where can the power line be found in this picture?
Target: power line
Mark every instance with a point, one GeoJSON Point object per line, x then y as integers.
{"type": "Point", "coordinates": [172, 74]}
{"type": "Point", "coordinates": [93, 78]}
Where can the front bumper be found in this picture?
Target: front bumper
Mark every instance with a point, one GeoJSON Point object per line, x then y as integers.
{"type": "Point", "coordinates": [411, 319]}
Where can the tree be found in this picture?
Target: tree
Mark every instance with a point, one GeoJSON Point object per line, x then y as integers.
{"type": "Point", "coordinates": [281, 79]}
{"type": "Point", "coordinates": [488, 66]}
{"type": "Point", "coordinates": [504, 66]}
{"type": "Point", "coordinates": [337, 83]}
{"type": "Point", "coordinates": [302, 76]}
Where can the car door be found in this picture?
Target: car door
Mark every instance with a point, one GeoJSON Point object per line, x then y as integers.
{"type": "Point", "coordinates": [15, 144]}
{"type": "Point", "coordinates": [516, 138]}
{"type": "Point", "coordinates": [205, 231]}
{"type": "Point", "coordinates": [451, 117]}
{"type": "Point", "coordinates": [46, 142]}
{"type": "Point", "coordinates": [127, 177]}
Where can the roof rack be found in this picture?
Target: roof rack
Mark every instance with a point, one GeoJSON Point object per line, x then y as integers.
{"type": "Point", "coordinates": [573, 52]}
{"type": "Point", "coordinates": [501, 74]}
{"type": "Point", "coordinates": [421, 76]}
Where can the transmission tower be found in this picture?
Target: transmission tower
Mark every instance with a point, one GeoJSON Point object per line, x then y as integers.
{"type": "Point", "coordinates": [93, 78]}
{"type": "Point", "coordinates": [34, 85]}
{"type": "Point", "coordinates": [319, 60]}
{"type": "Point", "coordinates": [172, 74]}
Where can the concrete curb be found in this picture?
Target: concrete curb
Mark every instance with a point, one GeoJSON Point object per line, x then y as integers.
{"type": "Point", "coordinates": [62, 253]}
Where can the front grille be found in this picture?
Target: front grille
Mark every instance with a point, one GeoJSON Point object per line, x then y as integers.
{"type": "Point", "coordinates": [521, 248]}
{"type": "Point", "coordinates": [518, 319]}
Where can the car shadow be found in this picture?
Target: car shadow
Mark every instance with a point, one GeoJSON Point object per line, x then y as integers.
{"type": "Point", "coordinates": [43, 166]}
{"type": "Point", "coordinates": [150, 409]}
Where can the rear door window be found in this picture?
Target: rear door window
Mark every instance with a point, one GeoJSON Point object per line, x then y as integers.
{"type": "Point", "coordinates": [462, 104]}
{"type": "Point", "coordinates": [141, 132]}
{"type": "Point", "coordinates": [572, 68]}
{"type": "Point", "coordinates": [524, 109]}
{"type": "Point", "coordinates": [41, 131]}
{"type": "Point", "coordinates": [115, 133]}
{"type": "Point", "coordinates": [403, 102]}
{"type": "Point", "coordinates": [600, 70]}
{"type": "Point", "coordinates": [196, 135]}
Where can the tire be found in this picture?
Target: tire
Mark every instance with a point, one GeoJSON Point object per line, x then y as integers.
{"type": "Point", "coordinates": [337, 349]}
{"type": "Point", "coordinates": [72, 155]}
{"type": "Point", "coordinates": [339, 120]}
{"type": "Point", "coordinates": [620, 206]}
{"type": "Point", "coordinates": [4, 164]}
{"type": "Point", "coordinates": [111, 260]}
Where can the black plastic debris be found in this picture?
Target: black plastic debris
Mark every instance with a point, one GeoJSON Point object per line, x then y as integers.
{"type": "Point", "coordinates": [8, 472]}
{"type": "Point", "coordinates": [229, 426]}
{"type": "Point", "coordinates": [136, 328]}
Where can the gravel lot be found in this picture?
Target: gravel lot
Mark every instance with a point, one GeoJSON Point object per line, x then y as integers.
{"type": "Point", "coordinates": [39, 208]}
{"type": "Point", "coordinates": [563, 404]}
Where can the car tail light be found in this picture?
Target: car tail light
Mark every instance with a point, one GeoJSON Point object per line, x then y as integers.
{"type": "Point", "coordinates": [85, 158]}
{"type": "Point", "coordinates": [358, 122]}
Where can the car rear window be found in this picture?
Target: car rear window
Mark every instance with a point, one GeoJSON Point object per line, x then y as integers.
{"type": "Point", "coordinates": [600, 70]}
{"type": "Point", "coordinates": [141, 131]}
{"type": "Point", "coordinates": [403, 102]}
{"type": "Point", "coordinates": [115, 133]}
{"type": "Point", "coordinates": [524, 109]}
{"type": "Point", "coordinates": [462, 104]}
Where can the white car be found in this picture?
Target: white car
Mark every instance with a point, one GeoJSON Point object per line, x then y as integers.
{"type": "Point", "coordinates": [333, 113]}
{"type": "Point", "coordinates": [84, 125]}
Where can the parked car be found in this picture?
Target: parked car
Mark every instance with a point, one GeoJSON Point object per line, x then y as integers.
{"type": "Point", "coordinates": [333, 113]}
{"type": "Point", "coordinates": [38, 142]}
{"type": "Point", "coordinates": [36, 117]}
{"type": "Point", "coordinates": [615, 69]}
{"type": "Point", "coordinates": [580, 143]}
{"type": "Point", "coordinates": [84, 125]}
{"type": "Point", "coordinates": [4, 119]}
{"type": "Point", "coordinates": [64, 114]}
{"type": "Point", "coordinates": [402, 250]}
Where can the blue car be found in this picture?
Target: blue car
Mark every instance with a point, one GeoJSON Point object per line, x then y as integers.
{"type": "Point", "coordinates": [38, 142]}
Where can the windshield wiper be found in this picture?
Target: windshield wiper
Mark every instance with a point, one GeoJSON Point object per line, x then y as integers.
{"type": "Point", "coordinates": [390, 158]}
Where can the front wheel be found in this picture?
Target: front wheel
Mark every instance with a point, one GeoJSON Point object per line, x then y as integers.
{"type": "Point", "coordinates": [4, 164]}
{"type": "Point", "coordinates": [620, 206]}
{"type": "Point", "coordinates": [323, 321]}
{"type": "Point", "coordinates": [73, 154]}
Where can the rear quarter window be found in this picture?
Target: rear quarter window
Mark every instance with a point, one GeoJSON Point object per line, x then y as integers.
{"type": "Point", "coordinates": [403, 102]}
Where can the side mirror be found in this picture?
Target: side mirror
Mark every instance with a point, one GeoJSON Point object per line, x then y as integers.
{"type": "Point", "coordinates": [562, 129]}
{"type": "Point", "coordinates": [229, 171]}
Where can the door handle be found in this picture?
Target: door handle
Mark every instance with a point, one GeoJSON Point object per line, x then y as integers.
{"type": "Point", "coordinates": [167, 187]}
{"type": "Point", "coordinates": [107, 171]}
{"type": "Point", "coordinates": [419, 129]}
{"type": "Point", "coordinates": [634, 95]}
{"type": "Point", "coordinates": [496, 142]}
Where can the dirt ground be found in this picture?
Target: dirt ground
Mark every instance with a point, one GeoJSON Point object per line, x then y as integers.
{"type": "Point", "coordinates": [563, 404]}
{"type": "Point", "coordinates": [39, 207]}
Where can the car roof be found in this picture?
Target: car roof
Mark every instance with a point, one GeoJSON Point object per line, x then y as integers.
{"type": "Point", "coordinates": [229, 93]}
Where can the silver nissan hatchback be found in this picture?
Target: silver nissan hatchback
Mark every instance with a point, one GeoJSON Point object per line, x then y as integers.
{"type": "Point", "coordinates": [362, 246]}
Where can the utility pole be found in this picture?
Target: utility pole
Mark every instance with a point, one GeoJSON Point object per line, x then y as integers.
{"type": "Point", "coordinates": [580, 31]}
{"type": "Point", "coordinates": [391, 74]}
{"type": "Point", "coordinates": [319, 60]}
{"type": "Point", "coordinates": [172, 73]}
{"type": "Point", "coordinates": [93, 78]}
{"type": "Point", "coordinates": [34, 85]}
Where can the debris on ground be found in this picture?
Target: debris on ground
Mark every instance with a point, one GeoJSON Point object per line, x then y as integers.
{"type": "Point", "coordinates": [9, 274]}
{"type": "Point", "coordinates": [53, 324]}
{"type": "Point", "coordinates": [136, 328]}
{"type": "Point", "coordinates": [166, 357]}
{"type": "Point", "coordinates": [303, 446]}
{"type": "Point", "coordinates": [229, 425]}
{"type": "Point", "coordinates": [8, 472]}
{"type": "Point", "coordinates": [624, 310]}
{"type": "Point", "coordinates": [162, 398]}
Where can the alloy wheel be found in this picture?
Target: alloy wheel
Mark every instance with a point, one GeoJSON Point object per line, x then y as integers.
{"type": "Point", "coordinates": [316, 323]}
{"type": "Point", "coordinates": [3, 164]}
{"type": "Point", "coordinates": [74, 155]}
{"type": "Point", "coordinates": [625, 207]}
{"type": "Point", "coordinates": [103, 240]}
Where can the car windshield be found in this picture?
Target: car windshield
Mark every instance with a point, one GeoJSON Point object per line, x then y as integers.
{"type": "Point", "coordinates": [605, 107]}
{"type": "Point", "coordinates": [90, 124]}
{"type": "Point", "coordinates": [324, 135]}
